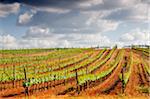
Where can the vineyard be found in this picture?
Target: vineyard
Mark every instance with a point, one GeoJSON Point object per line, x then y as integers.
{"type": "Point", "coordinates": [74, 72]}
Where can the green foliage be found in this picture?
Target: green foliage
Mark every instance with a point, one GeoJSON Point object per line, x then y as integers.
{"type": "Point", "coordinates": [93, 77]}
{"type": "Point", "coordinates": [128, 71]}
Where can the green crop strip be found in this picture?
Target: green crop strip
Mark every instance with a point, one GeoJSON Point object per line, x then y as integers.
{"type": "Point", "coordinates": [93, 77]}
{"type": "Point", "coordinates": [129, 67]}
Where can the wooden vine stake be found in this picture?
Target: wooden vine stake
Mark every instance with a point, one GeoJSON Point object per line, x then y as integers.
{"type": "Point", "coordinates": [77, 82]}
{"type": "Point", "coordinates": [122, 76]}
{"type": "Point", "coordinates": [86, 73]}
{"type": "Point", "coordinates": [14, 76]}
{"type": "Point", "coordinates": [26, 87]}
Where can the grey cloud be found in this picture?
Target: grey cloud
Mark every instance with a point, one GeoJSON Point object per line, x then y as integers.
{"type": "Point", "coordinates": [135, 13]}
{"type": "Point", "coordinates": [7, 9]}
{"type": "Point", "coordinates": [61, 23]}
{"type": "Point", "coordinates": [72, 22]}
{"type": "Point", "coordinates": [74, 3]}
{"type": "Point", "coordinates": [37, 32]}
{"type": "Point", "coordinates": [49, 3]}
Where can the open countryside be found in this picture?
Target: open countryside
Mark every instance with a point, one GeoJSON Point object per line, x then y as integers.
{"type": "Point", "coordinates": [44, 73]}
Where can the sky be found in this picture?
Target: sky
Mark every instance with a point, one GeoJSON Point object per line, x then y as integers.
{"type": "Point", "coordinates": [73, 23]}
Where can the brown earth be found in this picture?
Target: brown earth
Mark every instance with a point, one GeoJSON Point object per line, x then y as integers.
{"type": "Point", "coordinates": [138, 78]}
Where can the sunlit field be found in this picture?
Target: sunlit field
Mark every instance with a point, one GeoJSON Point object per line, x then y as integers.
{"type": "Point", "coordinates": [63, 73]}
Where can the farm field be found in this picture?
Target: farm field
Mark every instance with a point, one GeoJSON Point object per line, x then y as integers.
{"type": "Point", "coordinates": [75, 73]}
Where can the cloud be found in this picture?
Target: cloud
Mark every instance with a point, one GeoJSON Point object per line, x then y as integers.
{"type": "Point", "coordinates": [56, 4]}
{"type": "Point", "coordinates": [93, 17]}
{"type": "Point", "coordinates": [86, 40]}
{"type": "Point", "coordinates": [53, 10]}
{"type": "Point", "coordinates": [146, 1]}
{"type": "Point", "coordinates": [136, 36]}
{"type": "Point", "coordinates": [89, 3]}
{"type": "Point", "coordinates": [71, 40]}
{"type": "Point", "coordinates": [37, 32]}
{"type": "Point", "coordinates": [11, 42]}
{"type": "Point", "coordinates": [127, 37]}
{"type": "Point", "coordinates": [6, 9]}
{"type": "Point", "coordinates": [83, 16]}
{"type": "Point", "coordinates": [102, 25]}
{"type": "Point", "coordinates": [7, 41]}
{"type": "Point", "coordinates": [135, 13]}
{"type": "Point", "coordinates": [107, 25]}
{"type": "Point", "coordinates": [25, 17]}
{"type": "Point", "coordinates": [117, 4]}
{"type": "Point", "coordinates": [79, 40]}
{"type": "Point", "coordinates": [36, 43]}
{"type": "Point", "coordinates": [79, 22]}
{"type": "Point", "coordinates": [44, 34]}
{"type": "Point", "coordinates": [74, 22]}
{"type": "Point", "coordinates": [103, 4]}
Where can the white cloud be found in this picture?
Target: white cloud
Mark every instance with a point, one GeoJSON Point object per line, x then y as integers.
{"type": "Point", "coordinates": [87, 20]}
{"type": "Point", "coordinates": [46, 38]}
{"type": "Point", "coordinates": [6, 9]}
{"type": "Point", "coordinates": [95, 19]}
{"type": "Point", "coordinates": [90, 3]}
{"type": "Point", "coordinates": [136, 36]}
{"type": "Point", "coordinates": [140, 12]}
{"type": "Point", "coordinates": [79, 40]}
{"type": "Point", "coordinates": [90, 16]}
{"type": "Point", "coordinates": [135, 13]}
{"type": "Point", "coordinates": [109, 4]}
{"type": "Point", "coordinates": [127, 37]}
{"type": "Point", "coordinates": [38, 32]}
{"type": "Point", "coordinates": [26, 17]}
{"type": "Point", "coordinates": [108, 25]}
{"type": "Point", "coordinates": [86, 40]}
{"type": "Point", "coordinates": [36, 43]}
{"type": "Point", "coordinates": [93, 16]}
{"type": "Point", "coordinates": [7, 41]}
{"type": "Point", "coordinates": [10, 42]}
{"type": "Point", "coordinates": [127, 3]}
{"type": "Point", "coordinates": [72, 40]}
{"type": "Point", "coordinates": [52, 10]}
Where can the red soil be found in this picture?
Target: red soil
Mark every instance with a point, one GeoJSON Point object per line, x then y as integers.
{"type": "Point", "coordinates": [137, 78]}
{"type": "Point", "coordinates": [107, 83]}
